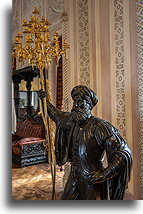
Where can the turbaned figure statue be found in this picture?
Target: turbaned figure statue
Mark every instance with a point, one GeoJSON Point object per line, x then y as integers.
{"type": "Point", "coordinates": [82, 139]}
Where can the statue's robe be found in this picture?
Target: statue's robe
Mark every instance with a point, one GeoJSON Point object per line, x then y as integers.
{"type": "Point", "coordinates": [84, 147]}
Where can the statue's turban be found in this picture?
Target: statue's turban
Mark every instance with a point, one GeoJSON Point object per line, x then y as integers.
{"type": "Point", "coordinates": [85, 93]}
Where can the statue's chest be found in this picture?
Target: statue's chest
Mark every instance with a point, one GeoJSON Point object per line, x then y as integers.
{"type": "Point", "coordinates": [78, 151]}
{"type": "Point", "coordinates": [84, 145]}
{"type": "Point", "coordinates": [82, 140]}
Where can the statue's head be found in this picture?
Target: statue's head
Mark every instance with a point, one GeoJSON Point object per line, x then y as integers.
{"type": "Point", "coordinates": [84, 99]}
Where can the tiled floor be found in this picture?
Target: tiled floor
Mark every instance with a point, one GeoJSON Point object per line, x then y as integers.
{"type": "Point", "coordinates": [34, 182]}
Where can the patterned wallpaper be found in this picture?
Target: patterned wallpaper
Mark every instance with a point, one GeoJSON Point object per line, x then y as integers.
{"type": "Point", "coordinates": [28, 7]}
{"type": "Point", "coordinates": [16, 16]}
{"type": "Point", "coordinates": [119, 63]}
{"type": "Point", "coordinates": [65, 23]}
{"type": "Point", "coordinates": [139, 24]}
{"type": "Point", "coordinates": [84, 42]}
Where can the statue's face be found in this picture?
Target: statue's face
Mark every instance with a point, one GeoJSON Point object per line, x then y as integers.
{"type": "Point", "coordinates": [81, 109]}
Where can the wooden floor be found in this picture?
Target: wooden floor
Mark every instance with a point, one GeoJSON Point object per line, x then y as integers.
{"type": "Point", "coordinates": [34, 182]}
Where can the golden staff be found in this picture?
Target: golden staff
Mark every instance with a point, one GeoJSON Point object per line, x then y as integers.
{"type": "Point", "coordinates": [38, 51]}
{"type": "Point", "coordinates": [49, 134]}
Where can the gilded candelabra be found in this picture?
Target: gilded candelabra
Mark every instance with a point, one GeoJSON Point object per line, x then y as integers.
{"type": "Point", "coordinates": [38, 51]}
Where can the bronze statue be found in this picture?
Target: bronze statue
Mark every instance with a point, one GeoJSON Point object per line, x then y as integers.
{"type": "Point", "coordinates": [82, 140]}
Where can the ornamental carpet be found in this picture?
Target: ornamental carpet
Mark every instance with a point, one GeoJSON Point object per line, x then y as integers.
{"type": "Point", "coordinates": [34, 182]}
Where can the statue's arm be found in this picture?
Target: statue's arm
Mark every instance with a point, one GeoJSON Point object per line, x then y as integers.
{"type": "Point", "coordinates": [117, 152]}
{"type": "Point", "coordinates": [54, 113]}
{"type": "Point", "coordinates": [118, 155]}
{"type": "Point", "coordinates": [116, 163]}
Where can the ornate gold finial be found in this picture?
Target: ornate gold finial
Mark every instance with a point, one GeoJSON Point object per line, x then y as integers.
{"type": "Point", "coordinates": [36, 11]}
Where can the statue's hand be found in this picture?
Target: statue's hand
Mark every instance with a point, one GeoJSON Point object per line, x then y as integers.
{"type": "Point", "coordinates": [96, 177]}
{"type": "Point", "coordinates": [42, 94]}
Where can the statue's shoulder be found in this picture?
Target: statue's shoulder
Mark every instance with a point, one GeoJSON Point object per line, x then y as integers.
{"type": "Point", "coordinates": [96, 120]}
{"type": "Point", "coordinates": [65, 121]}
{"type": "Point", "coordinates": [104, 127]}
{"type": "Point", "coordinates": [66, 116]}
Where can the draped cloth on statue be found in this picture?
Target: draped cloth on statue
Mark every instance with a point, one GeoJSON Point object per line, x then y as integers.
{"type": "Point", "coordinates": [84, 147]}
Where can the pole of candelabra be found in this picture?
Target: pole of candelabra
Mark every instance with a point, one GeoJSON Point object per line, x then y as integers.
{"type": "Point", "coordinates": [51, 135]}
{"type": "Point", "coordinates": [49, 130]}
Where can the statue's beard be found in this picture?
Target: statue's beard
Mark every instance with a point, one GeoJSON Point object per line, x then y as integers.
{"type": "Point", "coordinates": [79, 116]}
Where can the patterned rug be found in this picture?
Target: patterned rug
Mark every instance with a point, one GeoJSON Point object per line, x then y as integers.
{"type": "Point", "coordinates": [34, 182]}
